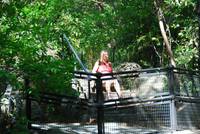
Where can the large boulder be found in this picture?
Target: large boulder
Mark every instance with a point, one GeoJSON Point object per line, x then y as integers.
{"type": "Point", "coordinates": [127, 66]}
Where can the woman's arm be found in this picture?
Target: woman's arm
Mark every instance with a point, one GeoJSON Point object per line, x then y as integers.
{"type": "Point", "coordinates": [95, 68]}
{"type": "Point", "coordinates": [110, 65]}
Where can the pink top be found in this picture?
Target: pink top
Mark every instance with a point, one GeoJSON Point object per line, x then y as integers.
{"type": "Point", "coordinates": [104, 68]}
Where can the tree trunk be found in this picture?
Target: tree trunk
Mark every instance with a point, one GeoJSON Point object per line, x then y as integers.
{"type": "Point", "coordinates": [198, 12]}
{"type": "Point", "coordinates": [99, 4]}
{"type": "Point", "coordinates": [163, 26]}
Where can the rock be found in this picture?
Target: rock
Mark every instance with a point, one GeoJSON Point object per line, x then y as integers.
{"type": "Point", "coordinates": [127, 66]}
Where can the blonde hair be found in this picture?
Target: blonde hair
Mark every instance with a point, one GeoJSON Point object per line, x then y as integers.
{"type": "Point", "coordinates": [101, 54]}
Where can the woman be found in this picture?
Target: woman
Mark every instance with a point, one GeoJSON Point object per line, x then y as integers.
{"type": "Point", "coordinates": [104, 66]}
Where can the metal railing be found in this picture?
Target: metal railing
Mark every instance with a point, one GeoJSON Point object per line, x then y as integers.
{"type": "Point", "coordinates": [153, 99]}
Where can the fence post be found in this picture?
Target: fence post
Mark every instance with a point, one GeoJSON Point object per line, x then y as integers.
{"type": "Point", "coordinates": [28, 103]}
{"type": "Point", "coordinates": [100, 109]}
{"type": "Point", "coordinates": [89, 92]}
{"type": "Point", "coordinates": [171, 82]}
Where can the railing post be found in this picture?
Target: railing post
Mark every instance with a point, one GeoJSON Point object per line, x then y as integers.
{"type": "Point", "coordinates": [28, 103]}
{"type": "Point", "coordinates": [89, 92]}
{"type": "Point", "coordinates": [171, 82]}
{"type": "Point", "coordinates": [100, 109]}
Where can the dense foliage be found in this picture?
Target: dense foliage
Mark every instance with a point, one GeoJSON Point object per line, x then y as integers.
{"type": "Point", "coordinates": [31, 46]}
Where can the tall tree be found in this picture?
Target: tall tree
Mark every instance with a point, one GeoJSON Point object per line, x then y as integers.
{"type": "Point", "coordinates": [198, 13]}
{"type": "Point", "coordinates": [164, 28]}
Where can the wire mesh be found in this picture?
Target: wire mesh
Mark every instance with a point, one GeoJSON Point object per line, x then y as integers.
{"type": "Point", "coordinates": [188, 85]}
{"type": "Point", "coordinates": [70, 115]}
{"type": "Point", "coordinates": [188, 116]}
{"type": "Point", "coordinates": [146, 115]}
{"type": "Point", "coordinates": [145, 85]}
{"type": "Point", "coordinates": [146, 103]}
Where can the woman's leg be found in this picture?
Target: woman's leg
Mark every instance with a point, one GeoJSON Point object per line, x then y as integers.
{"type": "Point", "coordinates": [117, 87]}
{"type": "Point", "coordinates": [108, 87]}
